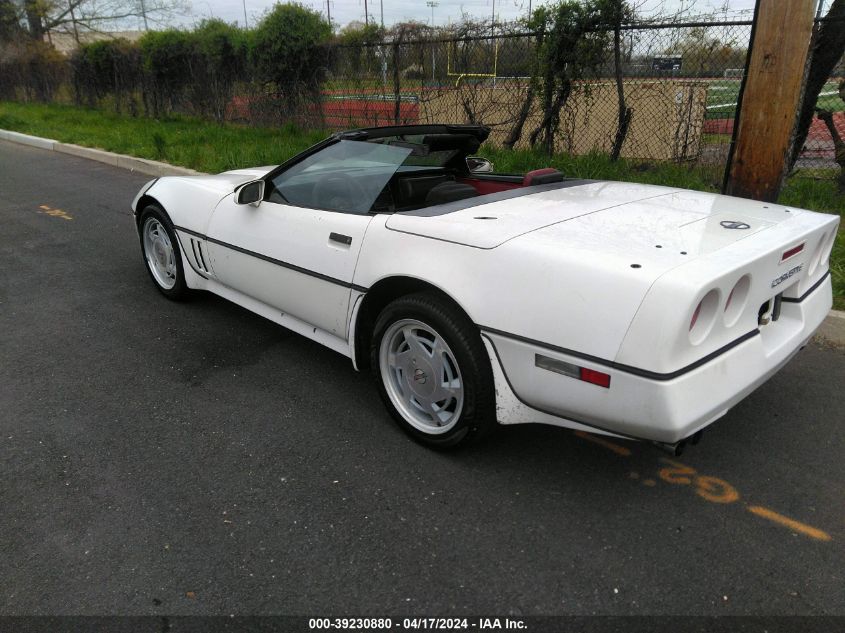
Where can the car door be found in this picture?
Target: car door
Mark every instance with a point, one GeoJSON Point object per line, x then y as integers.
{"type": "Point", "coordinates": [296, 251]}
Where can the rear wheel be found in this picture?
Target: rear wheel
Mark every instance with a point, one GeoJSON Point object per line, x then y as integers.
{"type": "Point", "coordinates": [161, 252]}
{"type": "Point", "coordinates": [432, 371]}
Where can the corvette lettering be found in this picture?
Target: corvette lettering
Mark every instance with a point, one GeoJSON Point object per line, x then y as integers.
{"type": "Point", "coordinates": [787, 275]}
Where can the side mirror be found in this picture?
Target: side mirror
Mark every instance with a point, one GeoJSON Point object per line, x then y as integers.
{"type": "Point", "coordinates": [479, 165]}
{"type": "Point", "coordinates": [250, 193]}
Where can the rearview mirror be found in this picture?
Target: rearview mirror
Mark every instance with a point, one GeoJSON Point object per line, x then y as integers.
{"type": "Point", "coordinates": [479, 165]}
{"type": "Point", "coordinates": [250, 193]}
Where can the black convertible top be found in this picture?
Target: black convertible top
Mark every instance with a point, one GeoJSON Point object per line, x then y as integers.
{"type": "Point", "coordinates": [462, 140]}
{"type": "Point", "coordinates": [479, 132]}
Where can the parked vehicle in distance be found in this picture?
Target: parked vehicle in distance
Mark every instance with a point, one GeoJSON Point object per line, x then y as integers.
{"type": "Point", "coordinates": [475, 297]}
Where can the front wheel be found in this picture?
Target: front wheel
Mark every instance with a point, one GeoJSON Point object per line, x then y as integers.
{"type": "Point", "coordinates": [432, 371]}
{"type": "Point", "coordinates": [160, 249]}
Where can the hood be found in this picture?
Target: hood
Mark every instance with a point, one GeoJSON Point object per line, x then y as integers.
{"type": "Point", "coordinates": [212, 188]}
{"type": "Point", "coordinates": [197, 196]}
{"type": "Point", "coordinates": [628, 218]}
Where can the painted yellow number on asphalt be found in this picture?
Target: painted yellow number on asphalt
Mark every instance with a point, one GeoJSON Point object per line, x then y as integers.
{"type": "Point", "coordinates": [56, 213]}
{"type": "Point", "coordinates": [711, 488]}
{"type": "Point", "coordinates": [707, 487]}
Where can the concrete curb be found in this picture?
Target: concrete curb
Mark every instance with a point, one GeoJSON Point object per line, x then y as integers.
{"type": "Point", "coordinates": [832, 330]}
{"type": "Point", "coordinates": [26, 139]}
{"type": "Point", "coordinates": [140, 165]}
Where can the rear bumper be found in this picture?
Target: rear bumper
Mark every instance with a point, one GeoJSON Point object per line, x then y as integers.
{"type": "Point", "coordinates": [641, 404]}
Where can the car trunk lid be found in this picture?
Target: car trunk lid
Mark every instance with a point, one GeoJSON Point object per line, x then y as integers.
{"type": "Point", "coordinates": [483, 224]}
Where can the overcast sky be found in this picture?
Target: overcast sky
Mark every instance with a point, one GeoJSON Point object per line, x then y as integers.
{"type": "Point", "coordinates": [345, 11]}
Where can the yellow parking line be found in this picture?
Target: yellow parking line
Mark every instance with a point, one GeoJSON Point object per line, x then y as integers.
{"type": "Point", "coordinates": [616, 448]}
{"type": "Point", "coordinates": [45, 207]}
{"type": "Point", "coordinates": [792, 524]}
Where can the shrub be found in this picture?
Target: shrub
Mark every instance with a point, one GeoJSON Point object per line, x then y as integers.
{"type": "Point", "coordinates": [220, 62]}
{"type": "Point", "coordinates": [31, 70]}
{"type": "Point", "coordinates": [288, 52]}
{"type": "Point", "coordinates": [167, 58]}
{"type": "Point", "coordinates": [108, 67]}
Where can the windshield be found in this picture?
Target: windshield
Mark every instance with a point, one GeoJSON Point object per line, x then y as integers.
{"type": "Point", "coordinates": [422, 154]}
{"type": "Point", "coordinates": [346, 176]}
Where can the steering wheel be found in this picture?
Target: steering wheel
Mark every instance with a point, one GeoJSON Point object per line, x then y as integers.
{"type": "Point", "coordinates": [339, 192]}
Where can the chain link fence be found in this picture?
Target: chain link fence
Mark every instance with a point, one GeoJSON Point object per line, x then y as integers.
{"type": "Point", "coordinates": [649, 92]}
{"type": "Point", "coordinates": [675, 85]}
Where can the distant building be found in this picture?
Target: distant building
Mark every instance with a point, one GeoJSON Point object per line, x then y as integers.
{"type": "Point", "coordinates": [672, 62]}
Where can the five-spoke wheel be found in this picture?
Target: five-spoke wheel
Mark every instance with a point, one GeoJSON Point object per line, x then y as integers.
{"type": "Point", "coordinates": [161, 252]}
{"type": "Point", "coordinates": [421, 376]}
{"type": "Point", "coordinates": [158, 249]}
{"type": "Point", "coordinates": [432, 370]}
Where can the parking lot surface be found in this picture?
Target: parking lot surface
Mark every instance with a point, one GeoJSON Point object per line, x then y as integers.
{"type": "Point", "coordinates": [193, 458]}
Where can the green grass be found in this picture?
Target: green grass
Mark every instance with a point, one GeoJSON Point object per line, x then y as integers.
{"type": "Point", "coordinates": [181, 141]}
{"type": "Point", "coordinates": [600, 167]}
{"type": "Point", "coordinates": [823, 196]}
{"type": "Point", "coordinates": [722, 95]}
{"type": "Point", "coordinates": [212, 147]}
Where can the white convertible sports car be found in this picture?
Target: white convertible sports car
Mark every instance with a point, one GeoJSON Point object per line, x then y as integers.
{"type": "Point", "coordinates": [637, 311]}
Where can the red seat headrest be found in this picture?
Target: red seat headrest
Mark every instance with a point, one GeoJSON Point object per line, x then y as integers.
{"type": "Point", "coordinates": [542, 177]}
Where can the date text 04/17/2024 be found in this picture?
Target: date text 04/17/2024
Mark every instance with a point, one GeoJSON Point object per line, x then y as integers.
{"type": "Point", "coordinates": [416, 624]}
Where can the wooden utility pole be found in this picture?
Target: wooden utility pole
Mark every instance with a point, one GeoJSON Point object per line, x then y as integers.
{"type": "Point", "coordinates": [769, 98]}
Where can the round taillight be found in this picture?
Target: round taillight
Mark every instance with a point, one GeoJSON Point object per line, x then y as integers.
{"type": "Point", "coordinates": [694, 318]}
{"type": "Point", "coordinates": [735, 305]}
{"type": "Point", "coordinates": [827, 248]}
{"type": "Point", "coordinates": [703, 317]}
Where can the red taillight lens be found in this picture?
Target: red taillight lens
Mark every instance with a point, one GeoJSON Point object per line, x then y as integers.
{"type": "Point", "coordinates": [792, 252]}
{"type": "Point", "coordinates": [595, 377]}
{"type": "Point", "coordinates": [695, 314]}
{"type": "Point", "coordinates": [573, 371]}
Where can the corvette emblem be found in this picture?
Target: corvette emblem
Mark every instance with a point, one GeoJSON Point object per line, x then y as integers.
{"type": "Point", "coordinates": [733, 224]}
{"type": "Point", "coordinates": [787, 275]}
{"type": "Point", "coordinates": [420, 377]}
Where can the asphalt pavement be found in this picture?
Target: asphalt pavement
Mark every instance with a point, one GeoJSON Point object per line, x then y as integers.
{"type": "Point", "coordinates": [166, 458]}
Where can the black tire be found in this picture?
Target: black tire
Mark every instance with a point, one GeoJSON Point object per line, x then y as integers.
{"type": "Point", "coordinates": [477, 413]}
{"type": "Point", "coordinates": [179, 290]}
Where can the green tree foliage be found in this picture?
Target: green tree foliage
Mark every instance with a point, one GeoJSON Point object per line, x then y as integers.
{"type": "Point", "coordinates": [574, 39]}
{"type": "Point", "coordinates": [359, 34]}
{"type": "Point", "coordinates": [219, 52]}
{"type": "Point", "coordinates": [10, 28]}
{"type": "Point", "coordinates": [195, 70]}
{"type": "Point", "coordinates": [107, 68]}
{"type": "Point", "coordinates": [168, 62]}
{"type": "Point", "coordinates": [358, 52]}
{"type": "Point", "coordinates": [287, 49]}
{"type": "Point", "coordinates": [31, 70]}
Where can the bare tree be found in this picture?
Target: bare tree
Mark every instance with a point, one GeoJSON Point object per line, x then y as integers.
{"type": "Point", "coordinates": [74, 16]}
{"type": "Point", "coordinates": [838, 143]}
{"type": "Point", "coordinates": [826, 50]}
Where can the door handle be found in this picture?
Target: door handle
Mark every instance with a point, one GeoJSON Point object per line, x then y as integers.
{"type": "Point", "coordinates": [340, 238]}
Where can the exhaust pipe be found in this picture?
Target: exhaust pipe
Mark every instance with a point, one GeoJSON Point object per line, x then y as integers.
{"type": "Point", "coordinates": [677, 449]}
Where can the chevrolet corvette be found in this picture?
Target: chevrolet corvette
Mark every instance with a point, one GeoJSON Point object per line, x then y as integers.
{"type": "Point", "coordinates": [478, 298]}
